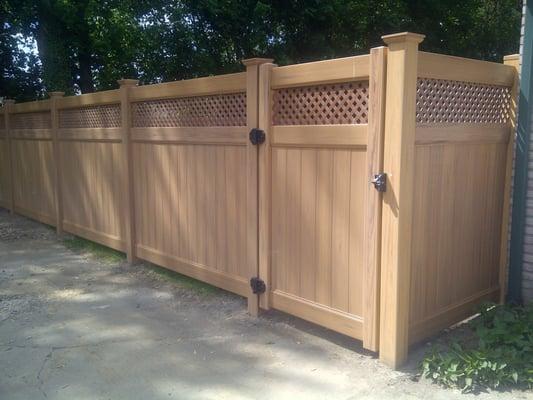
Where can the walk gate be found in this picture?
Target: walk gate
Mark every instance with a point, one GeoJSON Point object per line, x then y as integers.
{"type": "Point", "coordinates": [320, 231]}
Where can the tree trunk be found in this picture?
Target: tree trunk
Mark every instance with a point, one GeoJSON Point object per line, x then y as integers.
{"type": "Point", "coordinates": [86, 78]}
{"type": "Point", "coordinates": [52, 50]}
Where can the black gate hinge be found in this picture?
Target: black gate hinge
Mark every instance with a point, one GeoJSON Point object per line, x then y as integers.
{"type": "Point", "coordinates": [258, 285]}
{"type": "Point", "coordinates": [380, 182]}
{"type": "Point", "coordinates": [257, 136]}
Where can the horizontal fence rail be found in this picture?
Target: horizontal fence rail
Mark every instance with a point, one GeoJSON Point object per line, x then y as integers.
{"type": "Point", "coordinates": [168, 173]}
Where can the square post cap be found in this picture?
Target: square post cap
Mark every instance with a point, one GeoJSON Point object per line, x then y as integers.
{"type": "Point", "coordinates": [511, 57]}
{"type": "Point", "coordinates": [128, 82]}
{"type": "Point", "coordinates": [9, 101]}
{"type": "Point", "coordinates": [56, 94]}
{"type": "Point", "coordinates": [256, 61]}
{"type": "Point", "coordinates": [403, 37]}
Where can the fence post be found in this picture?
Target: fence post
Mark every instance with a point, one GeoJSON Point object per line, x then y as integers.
{"type": "Point", "coordinates": [129, 208]}
{"type": "Point", "coordinates": [264, 181]}
{"type": "Point", "coordinates": [8, 103]}
{"type": "Point", "coordinates": [252, 201]}
{"type": "Point", "coordinates": [398, 163]}
{"type": "Point", "coordinates": [54, 98]}
{"type": "Point", "coordinates": [513, 61]}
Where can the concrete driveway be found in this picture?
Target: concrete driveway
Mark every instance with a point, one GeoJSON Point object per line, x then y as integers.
{"type": "Point", "coordinates": [74, 327]}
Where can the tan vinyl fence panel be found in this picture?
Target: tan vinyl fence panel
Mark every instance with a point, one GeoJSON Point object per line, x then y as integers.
{"type": "Point", "coordinates": [462, 137]}
{"type": "Point", "coordinates": [34, 188]}
{"type": "Point", "coordinates": [92, 171]}
{"type": "Point", "coordinates": [263, 183]}
{"type": "Point", "coordinates": [33, 164]}
{"type": "Point", "coordinates": [189, 209]}
{"type": "Point", "coordinates": [91, 174]}
{"type": "Point", "coordinates": [317, 231]}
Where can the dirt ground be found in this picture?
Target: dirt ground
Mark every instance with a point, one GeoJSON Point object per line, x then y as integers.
{"type": "Point", "coordinates": [73, 326]}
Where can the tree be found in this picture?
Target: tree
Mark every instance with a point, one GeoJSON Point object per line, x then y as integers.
{"type": "Point", "coordinates": [86, 45]}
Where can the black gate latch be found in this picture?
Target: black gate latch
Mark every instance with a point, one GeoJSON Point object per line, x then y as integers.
{"type": "Point", "coordinates": [257, 136]}
{"type": "Point", "coordinates": [258, 285]}
{"type": "Point", "coordinates": [380, 182]}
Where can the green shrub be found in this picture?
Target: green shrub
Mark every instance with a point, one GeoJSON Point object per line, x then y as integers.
{"type": "Point", "coordinates": [500, 352]}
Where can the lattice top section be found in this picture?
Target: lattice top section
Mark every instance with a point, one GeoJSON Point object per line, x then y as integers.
{"type": "Point", "coordinates": [214, 110]}
{"type": "Point", "coordinates": [34, 120]}
{"type": "Point", "coordinates": [341, 103]}
{"type": "Point", "coordinates": [104, 116]}
{"type": "Point", "coordinates": [441, 101]}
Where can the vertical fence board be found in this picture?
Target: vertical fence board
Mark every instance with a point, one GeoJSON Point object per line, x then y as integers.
{"type": "Point", "coordinates": [372, 222]}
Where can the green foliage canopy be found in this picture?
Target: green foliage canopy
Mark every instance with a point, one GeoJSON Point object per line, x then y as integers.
{"type": "Point", "coordinates": [86, 45]}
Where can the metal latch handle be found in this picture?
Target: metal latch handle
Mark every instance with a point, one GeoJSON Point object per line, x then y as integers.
{"type": "Point", "coordinates": [380, 182]}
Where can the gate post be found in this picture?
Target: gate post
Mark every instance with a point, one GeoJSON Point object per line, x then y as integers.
{"type": "Point", "coordinates": [127, 167]}
{"type": "Point", "coordinates": [252, 176]}
{"type": "Point", "coordinates": [399, 152]}
{"type": "Point", "coordinates": [58, 194]}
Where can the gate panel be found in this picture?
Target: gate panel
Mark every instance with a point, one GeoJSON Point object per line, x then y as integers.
{"type": "Point", "coordinates": [317, 255]}
{"type": "Point", "coordinates": [195, 178]}
{"type": "Point", "coordinates": [324, 235]}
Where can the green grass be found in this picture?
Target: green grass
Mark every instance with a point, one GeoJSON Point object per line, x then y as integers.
{"type": "Point", "coordinates": [180, 280]}
{"type": "Point", "coordinates": [497, 354]}
{"type": "Point", "coordinates": [98, 251]}
{"type": "Point", "coordinates": [110, 256]}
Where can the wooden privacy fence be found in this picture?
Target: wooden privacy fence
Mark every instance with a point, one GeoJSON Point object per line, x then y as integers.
{"type": "Point", "coordinates": [260, 183]}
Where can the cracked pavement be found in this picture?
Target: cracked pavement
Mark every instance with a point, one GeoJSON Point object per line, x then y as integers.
{"type": "Point", "coordinates": [72, 327]}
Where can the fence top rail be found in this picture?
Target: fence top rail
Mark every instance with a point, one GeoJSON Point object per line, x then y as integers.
{"type": "Point", "coordinates": [89, 99]}
{"type": "Point", "coordinates": [30, 107]}
{"type": "Point", "coordinates": [439, 66]}
{"type": "Point", "coordinates": [220, 84]}
{"type": "Point", "coordinates": [322, 72]}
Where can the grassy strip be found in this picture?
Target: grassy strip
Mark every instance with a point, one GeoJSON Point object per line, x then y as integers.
{"type": "Point", "coordinates": [110, 256]}
{"type": "Point", "coordinates": [98, 251]}
{"type": "Point", "coordinates": [180, 280]}
{"type": "Point", "coordinates": [498, 354]}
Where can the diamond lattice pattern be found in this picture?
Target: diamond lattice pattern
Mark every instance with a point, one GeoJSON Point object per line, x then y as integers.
{"type": "Point", "coordinates": [342, 103]}
{"type": "Point", "coordinates": [442, 101]}
{"type": "Point", "coordinates": [104, 116]}
{"type": "Point", "coordinates": [34, 120]}
{"type": "Point", "coordinates": [214, 110]}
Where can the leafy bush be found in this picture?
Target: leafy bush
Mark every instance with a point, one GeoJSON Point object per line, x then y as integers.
{"type": "Point", "coordinates": [500, 353]}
